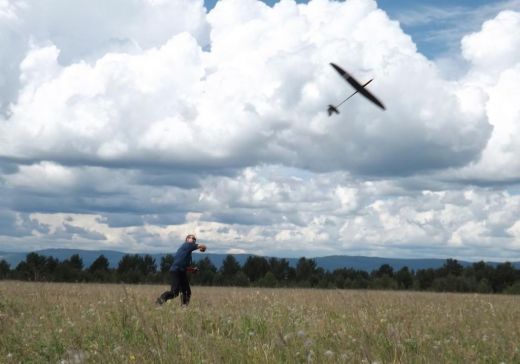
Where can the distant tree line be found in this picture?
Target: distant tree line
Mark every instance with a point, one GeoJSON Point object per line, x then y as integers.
{"type": "Point", "coordinates": [271, 272]}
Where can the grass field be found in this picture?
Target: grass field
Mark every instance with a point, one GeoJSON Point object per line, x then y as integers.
{"type": "Point", "coordinates": [93, 323]}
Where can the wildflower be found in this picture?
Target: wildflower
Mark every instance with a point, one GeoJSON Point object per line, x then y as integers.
{"type": "Point", "coordinates": [132, 357]}
{"type": "Point", "coordinates": [75, 357]}
{"type": "Point", "coordinates": [310, 356]}
{"type": "Point", "coordinates": [329, 354]}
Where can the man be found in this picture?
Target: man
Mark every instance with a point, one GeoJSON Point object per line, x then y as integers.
{"type": "Point", "coordinates": [181, 263]}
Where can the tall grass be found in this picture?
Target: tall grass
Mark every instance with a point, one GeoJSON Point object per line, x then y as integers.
{"type": "Point", "coordinates": [94, 323]}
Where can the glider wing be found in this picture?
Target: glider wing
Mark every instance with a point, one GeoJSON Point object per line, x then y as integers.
{"type": "Point", "coordinates": [357, 86]}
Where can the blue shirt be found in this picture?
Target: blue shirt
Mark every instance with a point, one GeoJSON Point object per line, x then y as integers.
{"type": "Point", "coordinates": [182, 258]}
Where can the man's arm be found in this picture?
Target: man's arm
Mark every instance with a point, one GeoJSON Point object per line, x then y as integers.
{"type": "Point", "coordinates": [200, 247]}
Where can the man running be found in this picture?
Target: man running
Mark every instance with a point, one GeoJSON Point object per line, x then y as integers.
{"type": "Point", "coordinates": [179, 275]}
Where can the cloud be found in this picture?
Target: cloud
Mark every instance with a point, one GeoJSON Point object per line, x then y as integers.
{"type": "Point", "coordinates": [372, 217]}
{"type": "Point", "coordinates": [84, 32]}
{"type": "Point", "coordinates": [497, 73]}
{"type": "Point", "coordinates": [215, 124]}
{"type": "Point", "coordinates": [442, 26]}
{"type": "Point", "coordinates": [19, 225]}
{"type": "Point", "coordinates": [321, 214]}
{"type": "Point", "coordinates": [52, 188]}
{"type": "Point", "coordinates": [500, 37]}
{"type": "Point", "coordinates": [71, 231]}
{"type": "Point", "coordinates": [257, 96]}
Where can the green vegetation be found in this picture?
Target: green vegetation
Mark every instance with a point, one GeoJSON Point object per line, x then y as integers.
{"type": "Point", "coordinates": [110, 323]}
{"type": "Point", "coordinates": [261, 272]}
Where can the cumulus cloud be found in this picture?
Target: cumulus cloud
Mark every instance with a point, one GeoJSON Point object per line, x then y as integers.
{"type": "Point", "coordinates": [500, 37]}
{"type": "Point", "coordinates": [367, 216]}
{"type": "Point", "coordinates": [497, 73]}
{"type": "Point", "coordinates": [215, 124]}
{"type": "Point", "coordinates": [20, 225]}
{"type": "Point", "coordinates": [440, 26]}
{"type": "Point", "coordinates": [86, 30]}
{"type": "Point", "coordinates": [265, 211]}
{"type": "Point", "coordinates": [257, 96]}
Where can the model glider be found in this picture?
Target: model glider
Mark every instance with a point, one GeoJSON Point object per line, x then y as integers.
{"type": "Point", "coordinates": [357, 86]}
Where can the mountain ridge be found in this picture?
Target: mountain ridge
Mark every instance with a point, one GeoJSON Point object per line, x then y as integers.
{"type": "Point", "coordinates": [327, 262]}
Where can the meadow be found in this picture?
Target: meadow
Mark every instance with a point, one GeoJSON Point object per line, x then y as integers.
{"type": "Point", "coordinates": [109, 323]}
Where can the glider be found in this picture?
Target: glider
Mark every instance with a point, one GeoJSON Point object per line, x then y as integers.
{"type": "Point", "coordinates": [357, 86]}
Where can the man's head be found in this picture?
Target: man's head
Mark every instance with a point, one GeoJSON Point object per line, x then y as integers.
{"type": "Point", "coordinates": [191, 238]}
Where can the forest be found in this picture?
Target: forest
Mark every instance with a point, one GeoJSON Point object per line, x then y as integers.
{"type": "Point", "coordinates": [259, 271]}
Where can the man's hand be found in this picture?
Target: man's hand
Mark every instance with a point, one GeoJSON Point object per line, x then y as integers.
{"type": "Point", "coordinates": [202, 247]}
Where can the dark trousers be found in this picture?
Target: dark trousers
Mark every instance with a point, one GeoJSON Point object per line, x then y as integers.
{"type": "Point", "coordinates": [180, 284]}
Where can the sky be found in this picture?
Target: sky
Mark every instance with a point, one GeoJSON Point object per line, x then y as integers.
{"type": "Point", "coordinates": [184, 116]}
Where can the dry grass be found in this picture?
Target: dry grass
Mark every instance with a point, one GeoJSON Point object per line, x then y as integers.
{"type": "Point", "coordinates": [93, 323]}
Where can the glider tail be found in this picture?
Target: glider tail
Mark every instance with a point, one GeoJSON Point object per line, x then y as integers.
{"type": "Point", "coordinates": [332, 110]}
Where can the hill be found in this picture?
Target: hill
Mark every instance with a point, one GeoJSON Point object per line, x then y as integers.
{"type": "Point", "coordinates": [328, 263]}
